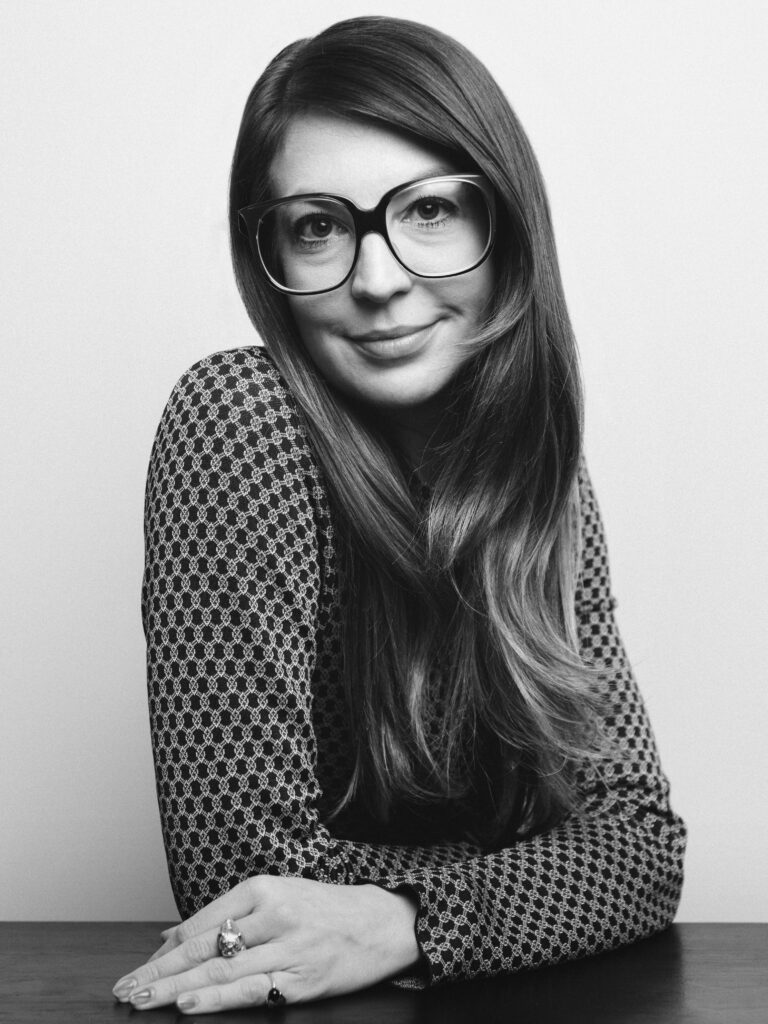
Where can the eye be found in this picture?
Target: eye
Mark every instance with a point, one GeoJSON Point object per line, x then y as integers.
{"type": "Point", "coordinates": [316, 227]}
{"type": "Point", "coordinates": [429, 212]}
{"type": "Point", "coordinates": [318, 231]}
{"type": "Point", "coordinates": [428, 209]}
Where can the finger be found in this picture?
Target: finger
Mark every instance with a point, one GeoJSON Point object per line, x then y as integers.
{"type": "Point", "coordinates": [200, 949]}
{"type": "Point", "coordinates": [240, 896]}
{"type": "Point", "coordinates": [216, 973]}
{"type": "Point", "coordinates": [247, 991]}
{"type": "Point", "coordinates": [166, 947]}
{"type": "Point", "coordinates": [166, 934]}
{"type": "Point", "coordinates": [239, 902]}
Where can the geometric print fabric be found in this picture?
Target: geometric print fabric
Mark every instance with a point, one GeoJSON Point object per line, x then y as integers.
{"type": "Point", "coordinates": [242, 608]}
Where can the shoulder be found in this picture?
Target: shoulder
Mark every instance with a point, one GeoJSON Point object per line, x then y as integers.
{"type": "Point", "coordinates": [234, 398]}
{"type": "Point", "coordinates": [238, 378]}
{"type": "Point", "coordinates": [590, 521]}
{"type": "Point", "coordinates": [232, 425]}
{"type": "Point", "coordinates": [232, 442]}
{"type": "Point", "coordinates": [593, 581]}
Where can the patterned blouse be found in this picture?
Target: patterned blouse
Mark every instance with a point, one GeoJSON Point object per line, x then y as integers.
{"type": "Point", "coordinates": [242, 609]}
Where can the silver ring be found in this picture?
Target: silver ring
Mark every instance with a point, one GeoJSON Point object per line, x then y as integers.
{"type": "Point", "coordinates": [230, 940]}
{"type": "Point", "coordinates": [274, 997]}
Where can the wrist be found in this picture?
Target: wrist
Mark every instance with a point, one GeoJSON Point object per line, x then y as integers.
{"type": "Point", "coordinates": [393, 923]}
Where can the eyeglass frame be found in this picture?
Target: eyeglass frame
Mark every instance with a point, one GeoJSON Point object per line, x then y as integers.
{"type": "Point", "coordinates": [364, 222]}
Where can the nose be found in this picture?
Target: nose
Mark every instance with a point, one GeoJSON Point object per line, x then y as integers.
{"type": "Point", "coordinates": [378, 276]}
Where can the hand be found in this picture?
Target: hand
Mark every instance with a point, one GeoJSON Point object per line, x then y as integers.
{"type": "Point", "coordinates": [314, 939]}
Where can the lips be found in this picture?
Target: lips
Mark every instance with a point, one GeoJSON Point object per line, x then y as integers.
{"type": "Point", "coordinates": [390, 334]}
{"type": "Point", "coordinates": [394, 343]}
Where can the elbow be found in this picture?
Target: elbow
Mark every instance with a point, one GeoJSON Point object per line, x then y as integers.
{"type": "Point", "coordinates": [675, 845]}
{"type": "Point", "coordinates": [662, 874]}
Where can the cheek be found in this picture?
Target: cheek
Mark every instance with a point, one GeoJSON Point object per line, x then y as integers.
{"type": "Point", "coordinates": [313, 318]}
{"type": "Point", "coordinates": [470, 294]}
{"type": "Point", "coordinates": [484, 288]}
{"type": "Point", "coordinates": [316, 322]}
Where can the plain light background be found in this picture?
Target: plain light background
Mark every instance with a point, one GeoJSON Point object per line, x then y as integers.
{"type": "Point", "coordinates": [118, 122]}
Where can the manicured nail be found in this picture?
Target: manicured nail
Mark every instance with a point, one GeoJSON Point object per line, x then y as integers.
{"type": "Point", "coordinates": [142, 997]}
{"type": "Point", "coordinates": [186, 1002]}
{"type": "Point", "coordinates": [123, 988]}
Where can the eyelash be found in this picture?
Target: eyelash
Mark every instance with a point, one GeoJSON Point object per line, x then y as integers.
{"type": "Point", "coordinates": [443, 207]}
{"type": "Point", "coordinates": [312, 243]}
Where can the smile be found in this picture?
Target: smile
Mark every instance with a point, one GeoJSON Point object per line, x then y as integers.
{"type": "Point", "coordinates": [394, 343]}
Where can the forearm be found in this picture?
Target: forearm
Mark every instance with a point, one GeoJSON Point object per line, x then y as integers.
{"type": "Point", "coordinates": [587, 886]}
{"type": "Point", "coordinates": [208, 854]}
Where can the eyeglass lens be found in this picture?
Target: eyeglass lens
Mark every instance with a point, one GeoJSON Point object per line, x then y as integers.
{"type": "Point", "coordinates": [436, 229]}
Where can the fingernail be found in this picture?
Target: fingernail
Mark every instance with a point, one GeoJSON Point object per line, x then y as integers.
{"type": "Point", "coordinates": [142, 997]}
{"type": "Point", "coordinates": [123, 988]}
{"type": "Point", "coordinates": [186, 1002]}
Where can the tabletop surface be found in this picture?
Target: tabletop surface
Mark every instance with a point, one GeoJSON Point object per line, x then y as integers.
{"type": "Point", "coordinates": [691, 973]}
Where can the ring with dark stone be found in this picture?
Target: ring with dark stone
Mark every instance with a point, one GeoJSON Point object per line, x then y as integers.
{"type": "Point", "coordinates": [274, 997]}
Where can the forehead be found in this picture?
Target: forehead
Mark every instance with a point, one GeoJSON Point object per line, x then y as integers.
{"type": "Point", "coordinates": [355, 159]}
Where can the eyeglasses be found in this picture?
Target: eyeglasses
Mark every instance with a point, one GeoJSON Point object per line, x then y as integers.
{"type": "Point", "coordinates": [435, 227]}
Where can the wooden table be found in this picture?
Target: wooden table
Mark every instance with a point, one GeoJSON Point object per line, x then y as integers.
{"type": "Point", "coordinates": [692, 973]}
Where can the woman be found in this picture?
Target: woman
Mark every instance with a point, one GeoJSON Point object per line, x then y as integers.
{"type": "Point", "coordinates": [395, 732]}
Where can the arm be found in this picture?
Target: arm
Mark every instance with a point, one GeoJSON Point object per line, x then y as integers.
{"type": "Point", "coordinates": [605, 876]}
{"type": "Point", "coordinates": [239, 606]}
{"type": "Point", "coordinates": [238, 609]}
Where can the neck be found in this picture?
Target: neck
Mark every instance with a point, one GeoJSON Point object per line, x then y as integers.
{"type": "Point", "coordinates": [417, 434]}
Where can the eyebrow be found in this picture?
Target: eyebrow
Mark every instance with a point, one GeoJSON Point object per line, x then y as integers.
{"type": "Point", "coordinates": [437, 171]}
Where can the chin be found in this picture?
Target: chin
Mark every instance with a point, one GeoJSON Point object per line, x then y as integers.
{"type": "Point", "coordinates": [400, 399]}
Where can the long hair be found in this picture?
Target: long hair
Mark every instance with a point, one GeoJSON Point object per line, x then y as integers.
{"type": "Point", "coordinates": [460, 656]}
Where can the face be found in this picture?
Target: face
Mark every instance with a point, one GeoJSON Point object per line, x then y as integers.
{"type": "Point", "coordinates": [385, 337]}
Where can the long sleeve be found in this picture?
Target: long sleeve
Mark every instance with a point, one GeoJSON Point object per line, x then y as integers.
{"type": "Point", "coordinates": [604, 877]}
{"type": "Point", "coordinates": [241, 613]}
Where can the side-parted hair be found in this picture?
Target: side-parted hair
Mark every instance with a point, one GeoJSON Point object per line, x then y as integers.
{"type": "Point", "coordinates": [464, 599]}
